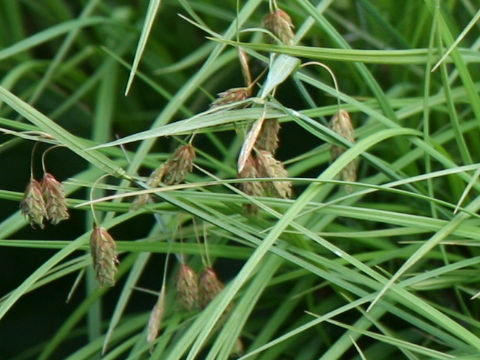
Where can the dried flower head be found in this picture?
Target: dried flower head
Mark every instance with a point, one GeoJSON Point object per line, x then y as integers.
{"type": "Point", "coordinates": [104, 254]}
{"type": "Point", "coordinates": [231, 96]}
{"type": "Point", "coordinates": [154, 180]}
{"type": "Point", "coordinates": [268, 166]}
{"type": "Point", "coordinates": [54, 197]}
{"type": "Point", "coordinates": [33, 204]}
{"type": "Point", "coordinates": [281, 25]}
{"type": "Point", "coordinates": [268, 138]}
{"type": "Point", "coordinates": [253, 188]}
{"type": "Point", "coordinates": [209, 286]}
{"type": "Point", "coordinates": [342, 125]}
{"type": "Point", "coordinates": [187, 287]}
{"type": "Point", "coordinates": [156, 316]}
{"type": "Point", "coordinates": [179, 165]}
{"type": "Point", "coordinates": [173, 171]}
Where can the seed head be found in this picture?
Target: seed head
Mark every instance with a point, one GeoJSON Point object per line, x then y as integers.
{"type": "Point", "coordinates": [156, 316]}
{"type": "Point", "coordinates": [104, 254]}
{"type": "Point", "coordinates": [54, 197]}
{"type": "Point", "coordinates": [342, 125]}
{"type": "Point", "coordinates": [209, 286]}
{"type": "Point", "coordinates": [281, 25]}
{"type": "Point", "coordinates": [268, 138]}
{"type": "Point", "coordinates": [187, 287]}
{"type": "Point", "coordinates": [179, 165]}
{"type": "Point", "coordinates": [154, 180]}
{"type": "Point", "coordinates": [33, 204]}
{"type": "Point", "coordinates": [253, 188]}
{"type": "Point", "coordinates": [268, 166]}
{"type": "Point", "coordinates": [231, 96]}
{"type": "Point", "coordinates": [173, 171]}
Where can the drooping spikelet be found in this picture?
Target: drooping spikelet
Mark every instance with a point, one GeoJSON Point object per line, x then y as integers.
{"type": "Point", "coordinates": [268, 138]}
{"type": "Point", "coordinates": [268, 166]}
{"type": "Point", "coordinates": [342, 125]}
{"type": "Point", "coordinates": [179, 165]}
{"type": "Point", "coordinates": [104, 254]}
{"type": "Point", "coordinates": [155, 320]}
{"type": "Point", "coordinates": [186, 285]}
{"type": "Point", "coordinates": [33, 204]}
{"type": "Point", "coordinates": [253, 188]}
{"type": "Point", "coordinates": [231, 96]}
{"type": "Point", "coordinates": [54, 197]}
{"type": "Point", "coordinates": [281, 25]}
{"type": "Point", "coordinates": [209, 286]}
{"type": "Point", "coordinates": [173, 171]}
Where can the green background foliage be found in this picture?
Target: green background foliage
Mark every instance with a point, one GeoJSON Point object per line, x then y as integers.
{"type": "Point", "coordinates": [386, 270]}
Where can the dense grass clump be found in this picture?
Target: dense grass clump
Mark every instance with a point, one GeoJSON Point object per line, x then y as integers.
{"type": "Point", "coordinates": [202, 179]}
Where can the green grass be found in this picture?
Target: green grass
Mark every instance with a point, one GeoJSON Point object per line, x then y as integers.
{"type": "Point", "coordinates": [385, 271]}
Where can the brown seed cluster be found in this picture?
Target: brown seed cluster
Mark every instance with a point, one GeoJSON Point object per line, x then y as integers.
{"type": "Point", "coordinates": [281, 25]}
{"type": "Point", "coordinates": [104, 254]}
{"type": "Point", "coordinates": [54, 196]}
{"type": "Point", "coordinates": [155, 320]}
{"type": "Point", "coordinates": [173, 171]}
{"type": "Point", "coordinates": [342, 125]}
{"type": "Point", "coordinates": [209, 286]}
{"type": "Point", "coordinates": [44, 201]}
{"type": "Point", "coordinates": [231, 96]}
{"type": "Point", "coordinates": [262, 164]}
{"type": "Point", "coordinates": [195, 292]}
{"type": "Point", "coordinates": [33, 204]}
{"type": "Point", "coordinates": [186, 285]}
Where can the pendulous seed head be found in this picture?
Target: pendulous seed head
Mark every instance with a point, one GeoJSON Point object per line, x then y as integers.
{"type": "Point", "coordinates": [171, 172]}
{"type": "Point", "coordinates": [269, 167]}
{"type": "Point", "coordinates": [342, 125]}
{"type": "Point", "coordinates": [281, 25]}
{"type": "Point", "coordinates": [54, 197]}
{"type": "Point", "coordinates": [231, 96]}
{"type": "Point", "coordinates": [209, 286]}
{"type": "Point", "coordinates": [179, 165]}
{"type": "Point", "coordinates": [33, 204]}
{"type": "Point", "coordinates": [104, 254]}
{"type": "Point", "coordinates": [156, 316]}
{"type": "Point", "coordinates": [186, 285]}
{"type": "Point", "coordinates": [268, 138]}
{"type": "Point", "coordinates": [253, 188]}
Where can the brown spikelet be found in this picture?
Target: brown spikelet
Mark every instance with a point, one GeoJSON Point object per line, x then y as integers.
{"type": "Point", "coordinates": [155, 320]}
{"type": "Point", "coordinates": [154, 180]}
{"type": "Point", "coordinates": [33, 204]}
{"type": "Point", "coordinates": [179, 165]}
{"type": "Point", "coordinates": [173, 171]}
{"type": "Point", "coordinates": [54, 197]}
{"type": "Point", "coordinates": [281, 25]}
{"type": "Point", "coordinates": [268, 166]}
{"type": "Point", "coordinates": [268, 138]}
{"type": "Point", "coordinates": [253, 188]}
{"type": "Point", "coordinates": [342, 125]}
{"type": "Point", "coordinates": [104, 254]}
{"type": "Point", "coordinates": [231, 96]}
{"type": "Point", "coordinates": [209, 286]}
{"type": "Point", "coordinates": [186, 285]}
